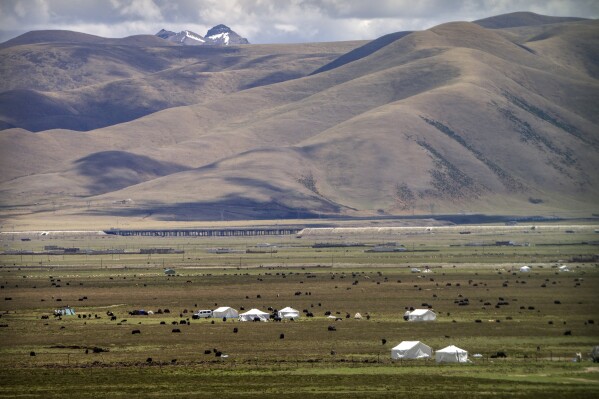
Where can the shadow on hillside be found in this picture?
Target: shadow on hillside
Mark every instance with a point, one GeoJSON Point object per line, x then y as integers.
{"type": "Point", "coordinates": [230, 208]}
{"type": "Point", "coordinates": [240, 208]}
{"type": "Point", "coordinates": [363, 51]}
{"type": "Point", "coordinates": [37, 111]}
{"type": "Point", "coordinates": [114, 170]}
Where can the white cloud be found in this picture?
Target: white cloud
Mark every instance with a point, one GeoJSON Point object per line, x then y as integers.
{"type": "Point", "coordinates": [266, 21]}
{"type": "Point", "coordinates": [145, 10]}
{"type": "Point", "coordinates": [286, 28]}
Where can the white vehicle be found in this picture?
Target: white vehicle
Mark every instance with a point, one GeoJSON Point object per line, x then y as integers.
{"type": "Point", "coordinates": [203, 314]}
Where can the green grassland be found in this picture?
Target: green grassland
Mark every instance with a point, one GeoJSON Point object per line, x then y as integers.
{"type": "Point", "coordinates": [302, 357]}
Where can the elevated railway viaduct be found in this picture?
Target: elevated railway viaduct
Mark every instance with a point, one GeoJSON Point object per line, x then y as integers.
{"type": "Point", "coordinates": [232, 232]}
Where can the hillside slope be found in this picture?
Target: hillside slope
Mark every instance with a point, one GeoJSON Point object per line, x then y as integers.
{"type": "Point", "coordinates": [515, 19]}
{"type": "Point", "coordinates": [67, 80]}
{"type": "Point", "coordinates": [456, 118]}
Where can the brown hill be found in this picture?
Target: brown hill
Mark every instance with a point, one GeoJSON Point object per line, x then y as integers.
{"type": "Point", "coordinates": [515, 19]}
{"type": "Point", "coordinates": [456, 118]}
{"type": "Point", "coordinates": [51, 36]}
{"type": "Point", "coordinates": [59, 79]}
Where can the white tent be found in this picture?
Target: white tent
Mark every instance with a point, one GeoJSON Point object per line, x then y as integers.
{"type": "Point", "coordinates": [421, 315]}
{"type": "Point", "coordinates": [288, 313]}
{"type": "Point", "coordinates": [451, 354]}
{"type": "Point", "coordinates": [225, 312]}
{"type": "Point", "coordinates": [252, 314]}
{"type": "Point", "coordinates": [411, 350]}
{"type": "Point", "coordinates": [525, 269]}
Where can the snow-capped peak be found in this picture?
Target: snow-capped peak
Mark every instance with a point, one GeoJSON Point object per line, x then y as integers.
{"type": "Point", "coordinates": [218, 29]}
{"type": "Point", "coordinates": [223, 35]}
{"type": "Point", "coordinates": [218, 35]}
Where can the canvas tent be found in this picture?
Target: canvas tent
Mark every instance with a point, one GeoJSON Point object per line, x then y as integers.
{"type": "Point", "coordinates": [253, 314]}
{"type": "Point", "coordinates": [288, 313]}
{"type": "Point", "coordinates": [525, 269]}
{"type": "Point", "coordinates": [225, 312]}
{"type": "Point", "coordinates": [451, 354]}
{"type": "Point", "coordinates": [411, 350]}
{"type": "Point", "coordinates": [421, 315]}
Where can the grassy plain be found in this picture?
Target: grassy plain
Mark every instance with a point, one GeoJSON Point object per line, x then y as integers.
{"type": "Point", "coordinates": [309, 360]}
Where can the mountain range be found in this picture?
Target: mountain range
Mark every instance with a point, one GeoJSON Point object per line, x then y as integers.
{"type": "Point", "coordinates": [493, 116]}
{"type": "Point", "coordinates": [219, 35]}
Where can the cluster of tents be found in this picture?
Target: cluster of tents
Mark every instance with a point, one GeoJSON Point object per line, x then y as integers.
{"type": "Point", "coordinates": [418, 350]}
{"type": "Point", "coordinates": [226, 312]}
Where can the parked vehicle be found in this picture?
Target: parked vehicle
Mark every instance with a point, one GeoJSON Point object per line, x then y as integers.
{"type": "Point", "coordinates": [202, 314]}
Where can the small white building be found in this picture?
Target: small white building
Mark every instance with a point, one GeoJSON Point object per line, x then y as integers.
{"type": "Point", "coordinates": [420, 315]}
{"type": "Point", "coordinates": [411, 350]}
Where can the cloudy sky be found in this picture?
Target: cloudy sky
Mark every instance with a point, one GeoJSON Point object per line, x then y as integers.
{"type": "Point", "coordinates": [266, 21]}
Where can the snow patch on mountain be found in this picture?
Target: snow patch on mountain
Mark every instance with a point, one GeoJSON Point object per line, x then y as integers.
{"type": "Point", "coordinates": [193, 36]}
{"type": "Point", "coordinates": [220, 37]}
{"type": "Point", "coordinates": [185, 37]}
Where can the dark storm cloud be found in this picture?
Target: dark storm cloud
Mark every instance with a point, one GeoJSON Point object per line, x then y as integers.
{"type": "Point", "coordinates": [266, 21]}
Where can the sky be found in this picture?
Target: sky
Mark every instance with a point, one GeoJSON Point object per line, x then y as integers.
{"type": "Point", "coordinates": [266, 21]}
